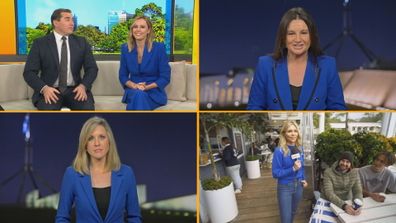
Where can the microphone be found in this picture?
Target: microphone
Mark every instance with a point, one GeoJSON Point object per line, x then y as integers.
{"type": "Point", "coordinates": [295, 153]}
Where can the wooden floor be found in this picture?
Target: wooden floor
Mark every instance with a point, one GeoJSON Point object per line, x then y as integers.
{"type": "Point", "coordinates": [258, 202]}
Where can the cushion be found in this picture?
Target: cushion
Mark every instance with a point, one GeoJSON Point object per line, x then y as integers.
{"type": "Point", "coordinates": [176, 89]}
{"type": "Point", "coordinates": [191, 75]}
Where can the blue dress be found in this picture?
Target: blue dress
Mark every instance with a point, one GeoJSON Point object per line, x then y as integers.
{"type": "Point", "coordinates": [154, 68]}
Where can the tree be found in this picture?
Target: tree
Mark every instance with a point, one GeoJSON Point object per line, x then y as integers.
{"type": "Point", "coordinates": [183, 31]}
{"type": "Point", "coordinates": [93, 35]}
{"type": "Point", "coordinates": [32, 34]}
{"type": "Point", "coordinates": [372, 117]}
{"type": "Point", "coordinates": [211, 121]}
{"type": "Point", "coordinates": [154, 12]}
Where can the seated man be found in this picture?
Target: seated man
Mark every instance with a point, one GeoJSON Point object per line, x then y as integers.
{"type": "Point", "coordinates": [376, 178]}
{"type": "Point", "coordinates": [340, 181]}
{"type": "Point", "coordinates": [53, 67]}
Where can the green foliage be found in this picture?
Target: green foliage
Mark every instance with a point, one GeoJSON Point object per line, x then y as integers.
{"type": "Point", "coordinates": [371, 117]}
{"type": "Point", "coordinates": [392, 142]}
{"type": "Point", "coordinates": [183, 31]}
{"type": "Point", "coordinates": [33, 34]}
{"type": "Point", "coordinates": [371, 143]}
{"type": "Point", "coordinates": [252, 157]}
{"type": "Point", "coordinates": [154, 12]}
{"type": "Point", "coordinates": [212, 184]}
{"type": "Point", "coordinates": [332, 142]}
{"type": "Point", "coordinates": [93, 35]}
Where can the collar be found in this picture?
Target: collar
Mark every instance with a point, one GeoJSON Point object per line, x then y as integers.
{"type": "Point", "coordinates": [59, 36]}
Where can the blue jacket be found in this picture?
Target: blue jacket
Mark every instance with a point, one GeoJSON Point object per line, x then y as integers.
{"type": "Point", "coordinates": [328, 94]}
{"type": "Point", "coordinates": [77, 189]}
{"type": "Point", "coordinates": [154, 68]}
{"type": "Point", "coordinates": [282, 167]}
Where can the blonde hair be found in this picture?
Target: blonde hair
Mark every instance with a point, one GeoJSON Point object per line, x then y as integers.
{"type": "Point", "coordinates": [282, 137]}
{"type": "Point", "coordinates": [82, 160]}
{"type": "Point", "coordinates": [150, 36]}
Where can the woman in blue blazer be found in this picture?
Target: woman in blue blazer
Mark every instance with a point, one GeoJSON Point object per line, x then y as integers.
{"type": "Point", "coordinates": [288, 169]}
{"type": "Point", "coordinates": [144, 68]}
{"type": "Point", "coordinates": [99, 187]}
{"type": "Point", "coordinates": [297, 76]}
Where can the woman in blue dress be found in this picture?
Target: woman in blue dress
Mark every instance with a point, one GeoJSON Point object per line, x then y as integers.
{"type": "Point", "coordinates": [144, 68]}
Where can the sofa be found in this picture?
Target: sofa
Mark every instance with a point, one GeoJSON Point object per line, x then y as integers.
{"type": "Point", "coordinates": [369, 89]}
{"type": "Point", "coordinates": [15, 94]}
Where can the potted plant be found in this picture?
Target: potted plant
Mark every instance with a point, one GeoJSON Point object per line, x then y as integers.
{"type": "Point", "coordinates": [218, 192]}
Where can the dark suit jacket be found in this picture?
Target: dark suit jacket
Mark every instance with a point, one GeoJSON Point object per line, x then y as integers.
{"type": "Point", "coordinates": [154, 68]}
{"type": "Point", "coordinates": [44, 57]}
{"type": "Point", "coordinates": [77, 189]}
{"type": "Point", "coordinates": [328, 94]}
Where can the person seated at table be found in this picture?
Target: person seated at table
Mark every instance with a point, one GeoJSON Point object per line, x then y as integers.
{"type": "Point", "coordinates": [376, 178]}
{"type": "Point", "coordinates": [340, 181]}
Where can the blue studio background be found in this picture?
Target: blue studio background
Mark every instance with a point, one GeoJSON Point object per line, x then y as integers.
{"type": "Point", "coordinates": [236, 33]}
{"type": "Point", "coordinates": [161, 149]}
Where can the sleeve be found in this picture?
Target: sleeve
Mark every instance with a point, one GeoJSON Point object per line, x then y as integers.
{"type": "Point", "coordinates": [132, 205]}
{"type": "Point", "coordinates": [164, 68]}
{"type": "Point", "coordinates": [258, 93]}
{"type": "Point", "coordinates": [32, 68]}
{"type": "Point", "coordinates": [328, 190]}
{"type": "Point", "coordinates": [392, 182]}
{"type": "Point", "coordinates": [90, 66]}
{"type": "Point", "coordinates": [357, 187]}
{"type": "Point", "coordinates": [66, 198]}
{"type": "Point", "coordinates": [123, 73]}
{"type": "Point", "coordinates": [335, 95]}
{"type": "Point", "coordinates": [278, 171]}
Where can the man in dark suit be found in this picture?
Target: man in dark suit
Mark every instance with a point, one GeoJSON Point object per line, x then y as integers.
{"type": "Point", "coordinates": [60, 57]}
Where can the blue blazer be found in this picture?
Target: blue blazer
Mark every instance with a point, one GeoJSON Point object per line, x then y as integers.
{"type": "Point", "coordinates": [328, 94]}
{"type": "Point", "coordinates": [77, 189]}
{"type": "Point", "coordinates": [154, 68]}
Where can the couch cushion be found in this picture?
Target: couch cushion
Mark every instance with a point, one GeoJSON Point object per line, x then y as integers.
{"type": "Point", "coordinates": [12, 85]}
{"type": "Point", "coordinates": [176, 90]}
{"type": "Point", "coordinates": [112, 103]}
{"type": "Point", "coordinates": [178, 105]}
{"type": "Point", "coordinates": [106, 83]}
{"type": "Point", "coordinates": [18, 105]}
{"type": "Point", "coordinates": [191, 76]}
{"type": "Point", "coordinates": [369, 88]}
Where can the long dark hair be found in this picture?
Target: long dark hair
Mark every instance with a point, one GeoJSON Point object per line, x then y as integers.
{"type": "Point", "coordinates": [280, 44]}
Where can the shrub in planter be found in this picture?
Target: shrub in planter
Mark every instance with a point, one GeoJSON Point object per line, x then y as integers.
{"type": "Point", "coordinates": [332, 142]}
{"type": "Point", "coordinates": [252, 157]}
{"type": "Point", "coordinates": [212, 184]}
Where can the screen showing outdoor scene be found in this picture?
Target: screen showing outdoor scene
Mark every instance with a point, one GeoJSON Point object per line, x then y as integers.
{"type": "Point", "coordinates": [105, 24]}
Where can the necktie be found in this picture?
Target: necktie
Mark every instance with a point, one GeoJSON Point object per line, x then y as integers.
{"type": "Point", "coordinates": [63, 67]}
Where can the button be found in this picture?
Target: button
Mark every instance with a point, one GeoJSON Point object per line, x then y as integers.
{"type": "Point", "coordinates": [275, 100]}
{"type": "Point", "coordinates": [316, 100]}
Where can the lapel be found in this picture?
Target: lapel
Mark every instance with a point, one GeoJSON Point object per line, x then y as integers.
{"type": "Point", "coordinates": [146, 57]}
{"type": "Point", "coordinates": [73, 50]}
{"type": "Point", "coordinates": [282, 80]}
{"type": "Point", "coordinates": [53, 49]}
{"type": "Point", "coordinates": [116, 181]}
{"type": "Point", "coordinates": [87, 187]}
{"type": "Point", "coordinates": [308, 84]}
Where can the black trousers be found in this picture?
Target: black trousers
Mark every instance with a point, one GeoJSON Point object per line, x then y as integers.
{"type": "Point", "coordinates": [66, 99]}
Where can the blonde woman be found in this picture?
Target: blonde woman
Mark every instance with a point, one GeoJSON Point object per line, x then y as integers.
{"type": "Point", "coordinates": [99, 187]}
{"type": "Point", "coordinates": [144, 68]}
{"type": "Point", "coordinates": [288, 169]}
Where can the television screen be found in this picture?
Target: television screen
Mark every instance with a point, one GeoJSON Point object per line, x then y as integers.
{"type": "Point", "coordinates": [103, 23]}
